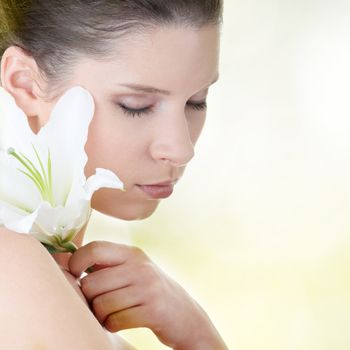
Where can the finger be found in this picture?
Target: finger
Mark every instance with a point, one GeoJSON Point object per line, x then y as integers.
{"type": "Point", "coordinates": [115, 301]}
{"type": "Point", "coordinates": [98, 253]}
{"type": "Point", "coordinates": [97, 267]}
{"type": "Point", "coordinates": [126, 319]}
{"type": "Point", "coordinates": [106, 280]}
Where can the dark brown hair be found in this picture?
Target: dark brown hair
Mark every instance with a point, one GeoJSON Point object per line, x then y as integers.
{"type": "Point", "coordinates": [55, 32]}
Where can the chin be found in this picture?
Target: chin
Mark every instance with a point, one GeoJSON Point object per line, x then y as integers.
{"type": "Point", "coordinates": [124, 210]}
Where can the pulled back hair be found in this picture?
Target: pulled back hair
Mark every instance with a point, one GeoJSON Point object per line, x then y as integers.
{"type": "Point", "coordinates": [56, 32]}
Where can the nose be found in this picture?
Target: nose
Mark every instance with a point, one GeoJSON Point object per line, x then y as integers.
{"type": "Point", "coordinates": [172, 142]}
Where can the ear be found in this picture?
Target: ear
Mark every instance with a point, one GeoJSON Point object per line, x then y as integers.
{"type": "Point", "coordinates": [20, 77]}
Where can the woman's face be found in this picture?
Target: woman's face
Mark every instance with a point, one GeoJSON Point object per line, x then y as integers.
{"type": "Point", "coordinates": [150, 110]}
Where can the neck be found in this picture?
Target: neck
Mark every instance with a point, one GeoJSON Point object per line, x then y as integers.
{"type": "Point", "coordinates": [63, 258]}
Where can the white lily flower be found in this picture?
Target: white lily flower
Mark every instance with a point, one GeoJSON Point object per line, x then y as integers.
{"type": "Point", "coordinates": [43, 188]}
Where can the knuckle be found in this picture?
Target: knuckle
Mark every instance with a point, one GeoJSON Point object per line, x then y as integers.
{"type": "Point", "coordinates": [136, 252]}
{"type": "Point", "coordinates": [150, 273]}
{"type": "Point", "coordinates": [154, 295]}
{"type": "Point", "coordinates": [95, 248]}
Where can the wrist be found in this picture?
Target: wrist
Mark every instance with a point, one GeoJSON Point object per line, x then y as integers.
{"type": "Point", "coordinates": [202, 336]}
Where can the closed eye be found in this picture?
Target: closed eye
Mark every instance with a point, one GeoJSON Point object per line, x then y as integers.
{"type": "Point", "coordinates": [139, 112]}
{"type": "Point", "coordinates": [198, 106]}
{"type": "Point", "coordinates": [132, 112]}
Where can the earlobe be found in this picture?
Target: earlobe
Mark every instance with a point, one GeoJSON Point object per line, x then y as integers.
{"type": "Point", "coordinates": [19, 73]}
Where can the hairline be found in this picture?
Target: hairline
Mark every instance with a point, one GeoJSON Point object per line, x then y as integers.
{"type": "Point", "coordinates": [109, 53]}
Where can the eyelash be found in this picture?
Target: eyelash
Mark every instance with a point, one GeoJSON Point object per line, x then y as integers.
{"type": "Point", "coordinates": [201, 106]}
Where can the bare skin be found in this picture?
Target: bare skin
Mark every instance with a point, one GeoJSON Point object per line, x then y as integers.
{"type": "Point", "coordinates": [38, 305]}
{"type": "Point", "coordinates": [127, 290]}
{"type": "Point", "coordinates": [177, 65]}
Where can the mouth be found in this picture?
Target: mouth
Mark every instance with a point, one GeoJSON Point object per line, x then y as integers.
{"type": "Point", "coordinates": [158, 191]}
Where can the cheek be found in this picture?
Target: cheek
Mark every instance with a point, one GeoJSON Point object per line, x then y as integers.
{"type": "Point", "coordinates": [114, 145]}
{"type": "Point", "coordinates": [195, 126]}
{"type": "Point", "coordinates": [117, 151]}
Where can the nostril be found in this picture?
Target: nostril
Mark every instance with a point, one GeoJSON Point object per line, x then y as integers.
{"type": "Point", "coordinates": [173, 144]}
{"type": "Point", "coordinates": [177, 163]}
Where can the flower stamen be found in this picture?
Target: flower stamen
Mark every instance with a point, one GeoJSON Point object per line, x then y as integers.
{"type": "Point", "coordinates": [43, 179]}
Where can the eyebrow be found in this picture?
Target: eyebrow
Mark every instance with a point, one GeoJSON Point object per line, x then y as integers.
{"type": "Point", "coordinates": [145, 88]}
{"type": "Point", "coordinates": [153, 90]}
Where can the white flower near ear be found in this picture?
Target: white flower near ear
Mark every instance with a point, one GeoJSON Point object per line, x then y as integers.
{"type": "Point", "coordinates": [43, 188]}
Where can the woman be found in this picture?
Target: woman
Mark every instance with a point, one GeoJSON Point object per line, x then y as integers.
{"type": "Point", "coordinates": [148, 65]}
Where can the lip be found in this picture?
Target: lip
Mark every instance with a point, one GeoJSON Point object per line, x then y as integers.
{"type": "Point", "coordinates": [158, 191]}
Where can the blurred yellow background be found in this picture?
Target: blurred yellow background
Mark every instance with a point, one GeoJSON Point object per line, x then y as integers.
{"type": "Point", "coordinates": [258, 230]}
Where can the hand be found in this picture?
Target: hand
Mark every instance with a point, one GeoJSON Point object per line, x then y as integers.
{"type": "Point", "coordinates": [127, 290]}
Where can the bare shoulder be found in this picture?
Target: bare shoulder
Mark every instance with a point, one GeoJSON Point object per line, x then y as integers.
{"type": "Point", "coordinates": [24, 261]}
{"type": "Point", "coordinates": [37, 303]}
{"type": "Point", "coordinates": [12, 238]}
{"type": "Point", "coordinates": [15, 247]}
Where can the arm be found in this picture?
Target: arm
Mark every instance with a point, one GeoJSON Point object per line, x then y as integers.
{"type": "Point", "coordinates": [39, 309]}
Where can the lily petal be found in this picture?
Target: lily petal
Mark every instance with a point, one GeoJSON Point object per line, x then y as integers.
{"type": "Point", "coordinates": [43, 188]}
{"type": "Point", "coordinates": [65, 134]}
{"type": "Point", "coordinates": [23, 194]}
{"type": "Point", "coordinates": [60, 221]}
{"type": "Point", "coordinates": [15, 220]}
{"type": "Point", "coordinates": [102, 178]}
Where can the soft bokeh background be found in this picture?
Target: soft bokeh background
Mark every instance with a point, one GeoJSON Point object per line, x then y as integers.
{"type": "Point", "coordinates": [259, 228]}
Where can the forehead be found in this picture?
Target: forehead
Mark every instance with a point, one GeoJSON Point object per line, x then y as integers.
{"type": "Point", "coordinates": [180, 57]}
